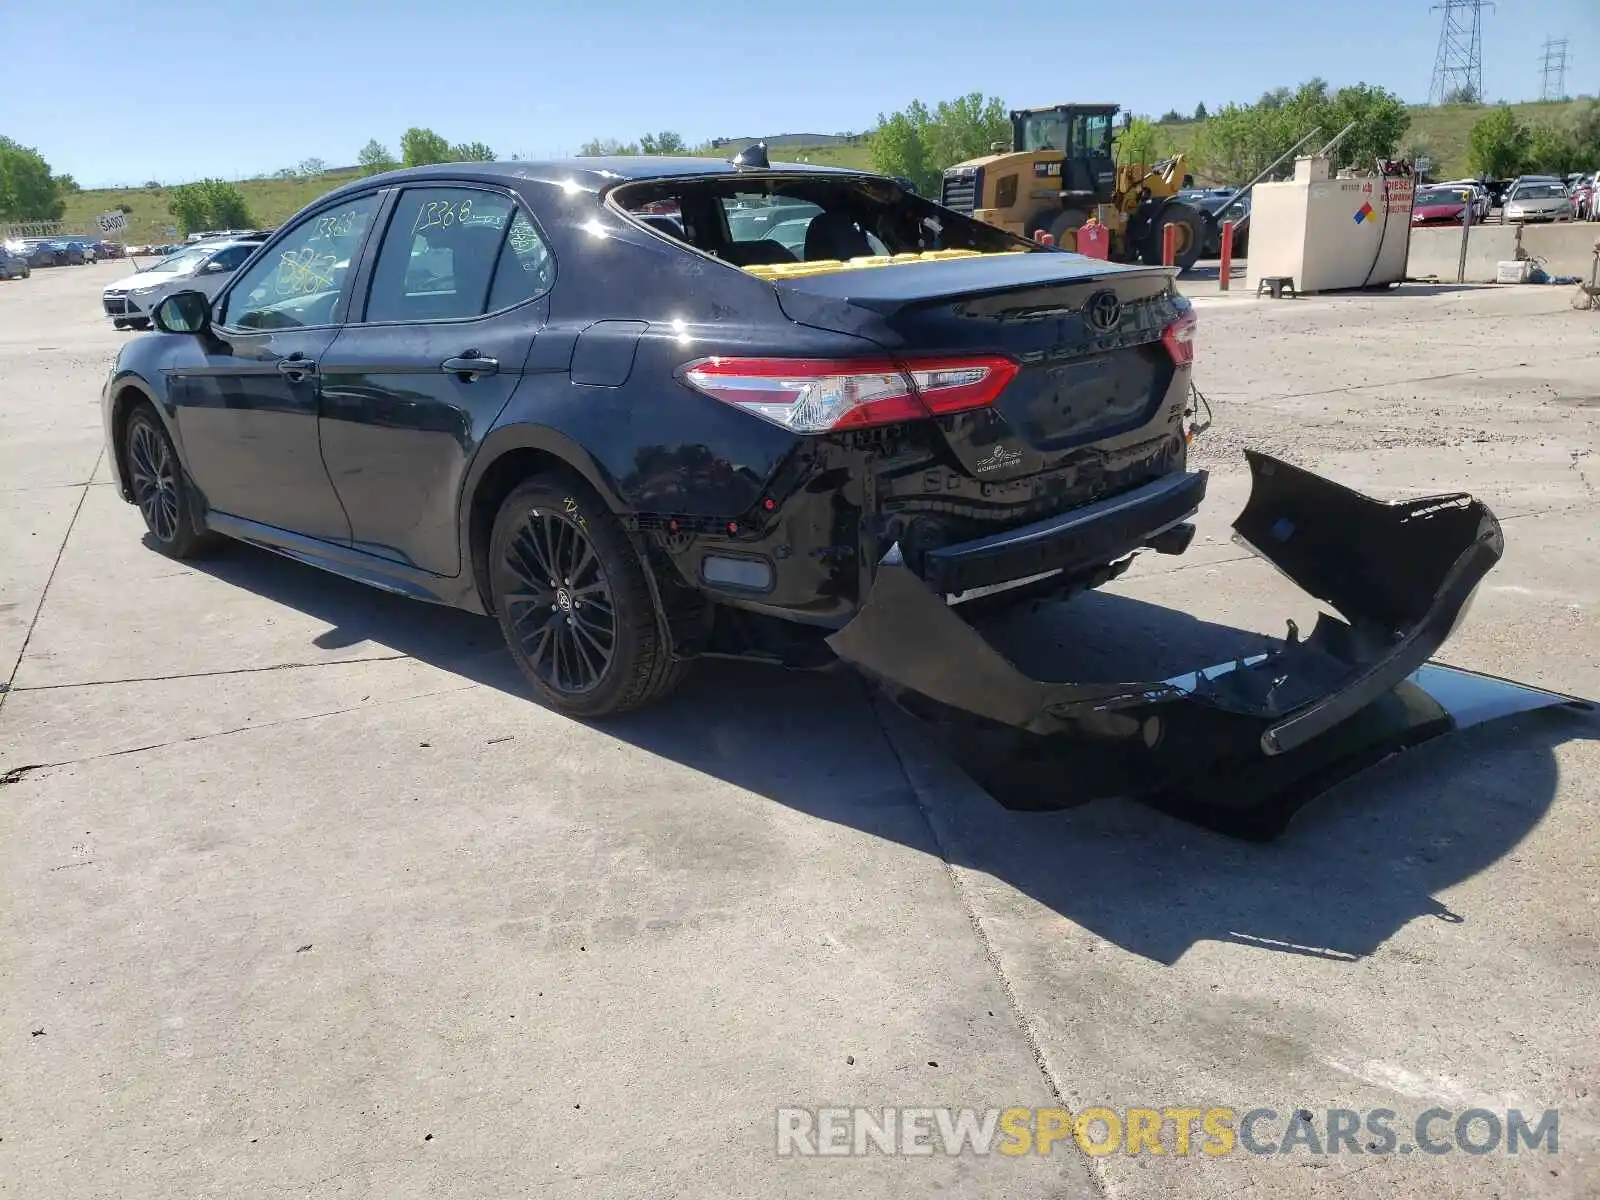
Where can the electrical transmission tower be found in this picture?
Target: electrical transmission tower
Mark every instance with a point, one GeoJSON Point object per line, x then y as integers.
{"type": "Point", "coordinates": [1458, 70]}
{"type": "Point", "coordinates": [1555, 70]}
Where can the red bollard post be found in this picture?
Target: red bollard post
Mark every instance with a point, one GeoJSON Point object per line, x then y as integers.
{"type": "Point", "coordinates": [1169, 245]}
{"type": "Point", "coordinates": [1225, 271]}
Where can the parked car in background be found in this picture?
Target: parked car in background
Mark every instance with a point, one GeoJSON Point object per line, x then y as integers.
{"type": "Point", "coordinates": [203, 268]}
{"type": "Point", "coordinates": [1442, 204]}
{"type": "Point", "coordinates": [59, 252]}
{"type": "Point", "coordinates": [1583, 198]}
{"type": "Point", "coordinates": [1482, 201]}
{"type": "Point", "coordinates": [40, 252]}
{"type": "Point", "coordinates": [1539, 201]}
{"type": "Point", "coordinates": [13, 266]}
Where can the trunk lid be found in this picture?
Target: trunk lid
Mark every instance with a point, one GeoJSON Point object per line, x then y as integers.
{"type": "Point", "coordinates": [1086, 333]}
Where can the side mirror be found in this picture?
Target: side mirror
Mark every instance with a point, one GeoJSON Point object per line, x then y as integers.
{"type": "Point", "coordinates": [183, 312]}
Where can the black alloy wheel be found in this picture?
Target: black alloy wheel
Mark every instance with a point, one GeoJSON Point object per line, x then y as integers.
{"type": "Point", "coordinates": [574, 604]}
{"type": "Point", "coordinates": [156, 479]}
{"type": "Point", "coordinates": [563, 613]}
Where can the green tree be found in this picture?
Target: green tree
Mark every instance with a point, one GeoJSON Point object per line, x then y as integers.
{"type": "Point", "coordinates": [1172, 117]}
{"type": "Point", "coordinates": [665, 142]}
{"type": "Point", "coordinates": [1240, 140]}
{"type": "Point", "coordinates": [1500, 144]}
{"type": "Point", "coordinates": [900, 147]}
{"type": "Point", "coordinates": [67, 185]}
{"type": "Point", "coordinates": [28, 192]}
{"type": "Point", "coordinates": [375, 158]}
{"type": "Point", "coordinates": [919, 144]}
{"type": "Point", "coordinates": [471, 152]}
{"type": "Point", "coordinates": [419, 147]}
{"type": "Point", "coordinates": [605, 147]}
{"type": "Point", "coordinates": [1381, 122]}
{"type": "Point", "coordinates": [1586, 129]}
{"type": "Point", "coordinates": [1554, 150]}
{"type": "Point", "coordinates": [1140, 141]}
{"type": "Point", "coordinates": [312, 168]}
{"type": "Point", "coordinates": [1200, 113]}
{"type": "Point", "coordinates": [208, 204]}
{"type": "Point", "coordinates": [967, 128]}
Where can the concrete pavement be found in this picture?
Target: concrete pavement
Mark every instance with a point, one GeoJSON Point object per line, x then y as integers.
{"type": "Point", "coordinates": [304, 897]}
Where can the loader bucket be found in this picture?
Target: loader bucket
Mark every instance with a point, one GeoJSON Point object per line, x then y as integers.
{"type": "Point", "coordinates": [1238, 745]}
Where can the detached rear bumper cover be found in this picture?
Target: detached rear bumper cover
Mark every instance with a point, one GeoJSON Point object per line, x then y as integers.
{"type": "Point", "coordinates": [1401, 574]}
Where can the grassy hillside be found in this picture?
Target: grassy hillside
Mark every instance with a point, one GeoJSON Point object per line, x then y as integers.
{"type": "Point", "coordinates": [1441, 132]}
{"type": "Point", "coordinates": [272, 200]}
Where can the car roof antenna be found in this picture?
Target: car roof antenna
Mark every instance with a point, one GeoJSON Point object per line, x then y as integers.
{"type": "Point", "coordinates": [753, 156]}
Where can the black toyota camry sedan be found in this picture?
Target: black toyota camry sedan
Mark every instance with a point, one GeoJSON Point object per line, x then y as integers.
{"type": "Point", "coordinates": [597, 401]}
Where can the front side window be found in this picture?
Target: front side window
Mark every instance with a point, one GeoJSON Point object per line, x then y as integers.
{"type": "Point", "coordinates": [298, 281]}
{"type": "Point", "coordinates": [438, 258]}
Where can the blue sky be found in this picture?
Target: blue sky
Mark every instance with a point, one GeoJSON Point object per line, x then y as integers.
{"type": "Point", "coordinates": [162, 89]}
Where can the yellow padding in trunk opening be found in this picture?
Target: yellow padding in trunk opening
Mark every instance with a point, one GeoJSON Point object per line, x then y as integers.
{"type": "Point", "coordinates": [829, 266]}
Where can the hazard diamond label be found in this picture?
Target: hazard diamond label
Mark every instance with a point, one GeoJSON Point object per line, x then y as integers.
{"type": "Point", "coordinates": [1365, 213]}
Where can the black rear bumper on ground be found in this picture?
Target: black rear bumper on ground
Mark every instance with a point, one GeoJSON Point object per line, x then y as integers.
{"type": "Point", "coordinates": [1402, 575]}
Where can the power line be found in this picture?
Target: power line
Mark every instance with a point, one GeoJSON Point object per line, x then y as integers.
{"type": "Point", "coordinates": [1555, 70]}
{"type": "Point", "coordinates": [1458, 68]}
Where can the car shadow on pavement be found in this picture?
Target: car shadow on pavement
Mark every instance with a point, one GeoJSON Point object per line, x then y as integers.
{"type": "Point", "coordinates": [1353, 868]}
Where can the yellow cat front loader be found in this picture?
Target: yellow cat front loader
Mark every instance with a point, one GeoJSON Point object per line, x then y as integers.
{"type": "Point", "coordinates": [1062, 171]}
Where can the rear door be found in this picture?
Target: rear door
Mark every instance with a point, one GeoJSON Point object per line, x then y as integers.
{"type": "Point", "coordinates": [413, 384]}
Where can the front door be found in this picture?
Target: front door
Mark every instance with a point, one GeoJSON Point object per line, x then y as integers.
{"type": "Point", "coordinates": [420, 373]}
{"type": "Point", "coordinates": [247, 410]}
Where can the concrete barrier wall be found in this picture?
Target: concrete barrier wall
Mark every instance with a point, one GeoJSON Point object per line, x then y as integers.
{"type": "Point", "coordinates": [1566, 249]}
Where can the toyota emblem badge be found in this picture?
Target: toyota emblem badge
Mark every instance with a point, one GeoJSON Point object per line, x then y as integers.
{"type": "Point", "coordinates": [1104, 311]}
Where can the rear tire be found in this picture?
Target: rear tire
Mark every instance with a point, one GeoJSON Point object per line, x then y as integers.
{"type": "Point", "coordinates": [1191, 236]}
{"type": "Point", "coordinates": [161, 488]}
{"type": "Point", "coordinates": [573, 602]}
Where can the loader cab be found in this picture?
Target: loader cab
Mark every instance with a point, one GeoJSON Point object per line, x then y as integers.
{"type": "Point", "coordinates": [1084, 134]}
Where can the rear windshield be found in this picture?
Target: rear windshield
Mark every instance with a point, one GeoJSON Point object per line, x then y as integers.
{"type": "Point", "coordinates": [787, 219]}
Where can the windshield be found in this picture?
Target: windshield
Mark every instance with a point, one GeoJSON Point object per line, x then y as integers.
{"type": "Point", "coordinates": [1540, 191]}
{"type": "Point", "coordinates": [186, 260]}
{"type": "Point", "coordinates": [1044, 131]}
{"type": "Point", "coordinates": [1441, 196]}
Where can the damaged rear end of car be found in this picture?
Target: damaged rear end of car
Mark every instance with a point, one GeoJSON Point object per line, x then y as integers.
{"type": "Point", "coordinates": [1016, 425]}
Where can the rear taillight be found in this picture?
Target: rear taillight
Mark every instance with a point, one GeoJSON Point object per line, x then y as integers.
{"type": "Point", "coordinates": [822, 395]}
{"type": "Point", "coordinates": [1178, 338]}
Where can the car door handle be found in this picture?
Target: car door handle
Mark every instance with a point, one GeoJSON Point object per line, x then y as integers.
{"type": "Point", "coordinates": [296, 370]}
{"type": "Point", "coordinates": [470, 366]}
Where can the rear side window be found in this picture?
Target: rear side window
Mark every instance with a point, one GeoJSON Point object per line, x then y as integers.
{"type": "Point", "coordinates": [525, 269]}
{"type": "Point", "coordinates": [438, 258]}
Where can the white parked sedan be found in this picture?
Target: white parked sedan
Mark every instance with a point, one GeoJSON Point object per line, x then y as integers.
{"type": "Point", "coordinates": [204, 268]}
